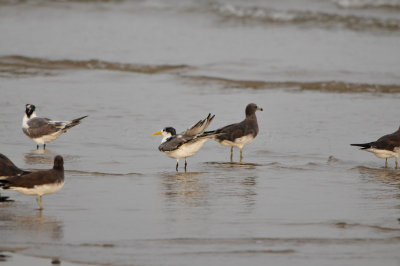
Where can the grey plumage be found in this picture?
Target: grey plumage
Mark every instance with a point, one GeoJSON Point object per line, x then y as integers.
{"type": "Point", "coordinates": [44, 130]}
{"type": "Point", "coordinates": [187, 143]}
{"type": "Point", "coordinates": [192, 134]}
{"type": "Point", "coordinates": [39, 127]}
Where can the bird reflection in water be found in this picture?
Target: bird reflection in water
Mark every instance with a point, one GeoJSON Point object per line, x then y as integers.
{"type": "Point", "coordinates": [195, 189]}
{"type": "Point", "coordinates": [39, 157]}
{"type": "Point", "coordinates": [387, 177]}
{"type": "Point", "coordinates": [382, 175]}
{"type": "Point", "coordinates": [234, 165]}
{"type": "Point", "coordinates": [22, 223]}
{"type": "Point", "coordinates": [185, 188]}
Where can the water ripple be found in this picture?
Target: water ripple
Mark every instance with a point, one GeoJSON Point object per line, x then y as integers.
{"type": "Point", "coordinates": [16, 65]}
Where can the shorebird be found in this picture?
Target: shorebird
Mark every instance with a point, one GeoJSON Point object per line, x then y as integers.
{"type": "Point", "coordinates": [7, 169]}
{"type": "Point", "coordinates": [386, 147]}
{"type": "Point", "coordinates": [239, 134]}
{"type": "Point", "coordinates": [38, 183]}
{"type": "Point", "coordinates": [44, 130]}
{"type": "Point", "coordinates": [187, 143]}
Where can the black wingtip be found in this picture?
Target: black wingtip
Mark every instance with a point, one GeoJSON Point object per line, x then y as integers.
{"type": "Point", "coordinates": [80, 118]}
{"type": "Point", "coordinates": [363, 145]}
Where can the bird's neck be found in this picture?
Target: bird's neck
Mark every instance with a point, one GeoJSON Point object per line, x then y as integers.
{"type": "Point", "coordinates": [33, 115]}
{"type": "Point", "coordinates": [252, 119]}
{"type": "Point", "coordinates": [165, 137]}
{"type": "Point", "coordinates": [251, 116]}
{"type": "Point", "coordinates": [26, 118]}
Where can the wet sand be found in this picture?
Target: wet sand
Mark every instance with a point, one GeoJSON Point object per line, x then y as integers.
{"type": "Point", "coordinates": [302, 194]}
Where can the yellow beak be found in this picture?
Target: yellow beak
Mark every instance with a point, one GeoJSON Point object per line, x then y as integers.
{"type": "Point", "coordinates": [259, 109]}
{"type": "Point", "coordinates": [157, 133]}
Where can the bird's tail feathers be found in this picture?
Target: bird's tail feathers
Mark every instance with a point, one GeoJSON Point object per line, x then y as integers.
{"type": "Point", "coordinates": [212, 134]}
{"type": "Point", "coordinates": [74, 122]}
{"type": "Point", "coordinates": [200, 126]}
{"type": "Point", "coordinates": [363, 145]}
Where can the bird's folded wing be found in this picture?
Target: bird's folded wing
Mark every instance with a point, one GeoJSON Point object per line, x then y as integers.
{"type": "Point", "coordinates": [59, 124]}
{"type": "Point", "coordinates": [31, 180]}
{"type": "Point", "coordinates": [388, 142]}
{"type": "Point", "coordinates": [39, 127]}
{"type": "Point", "coordinates": [174, 143]}
{"type": "Point", "coordinates": [231, 132]}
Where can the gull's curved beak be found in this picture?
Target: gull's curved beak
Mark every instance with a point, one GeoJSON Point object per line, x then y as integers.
{"type": "Point", "coordinates": [259, 109]}
{"type": "Point", "coordinates": [157, 133]}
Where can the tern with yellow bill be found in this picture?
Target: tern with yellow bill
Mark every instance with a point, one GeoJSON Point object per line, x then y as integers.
{"type": "Point", "coordinates": [187, 143]}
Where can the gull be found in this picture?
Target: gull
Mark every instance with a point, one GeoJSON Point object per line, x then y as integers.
{"type": "Point", "coordinates": [44, 130]}
{"type": "Point", "coordinates": [38, 183]}
{"type": "Point", "coordinates": [7, 169]}
{"type": "Point", "coordinates": [187, 143]}
{"type": "Point", "coordinates": [239, 134]}
{"type": "Point", "coordinates": [386, 147]}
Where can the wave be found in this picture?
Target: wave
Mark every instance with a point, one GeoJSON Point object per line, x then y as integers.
{"type": "Point", "coordinates": [21, 65]}
{"type": "Point", "coordinates": [323, 86]}
{"type": "Point", "coordinates": [337, 14]}
{"type": "Point", "coordinates": [263, 15]}
{"type": "Point", "coordinates": [347, 4]}
{"type": "Point", "coordinates": [39, 2]}
{"type": "Point", "coordinates": [368, 4]}
{"type": "Point", "coordinates": [11, 66]}
{"type": "Point", "coordinates": [77, 172]}
{"type": "Point", "coordinates": [345, 225]}
{"type": "Point", "coordinates": [272, 240]}
{"type": "Point", "coordinates": [93, 173]}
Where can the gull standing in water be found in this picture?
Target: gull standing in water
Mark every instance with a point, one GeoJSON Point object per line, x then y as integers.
{"type": "Point", "coordinates": [7, 169]}
{"type": "Point", "coordinates": [386, 147]}
{"type": "Point", "coordinates": [239, 134]}
{"type": "Point", "coordinates": [38, 183]}
{"type": "Point", "coordinates": [44, 130]}
{"type": "Point", "coordinates": [187, 143]}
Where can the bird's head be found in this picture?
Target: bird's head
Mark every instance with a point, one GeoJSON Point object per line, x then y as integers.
{"type": "Point", "coordinates": [251, 109]}
{"type": "Point", "coordinates": [167, 132]}
{"type": "Point", "coordinates": [30, 110]}
{"type": "Point", "coordinates": [58, 163]}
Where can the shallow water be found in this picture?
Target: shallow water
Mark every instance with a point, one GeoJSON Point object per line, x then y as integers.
{"type": "Point", "coordinates": [325, 72]}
